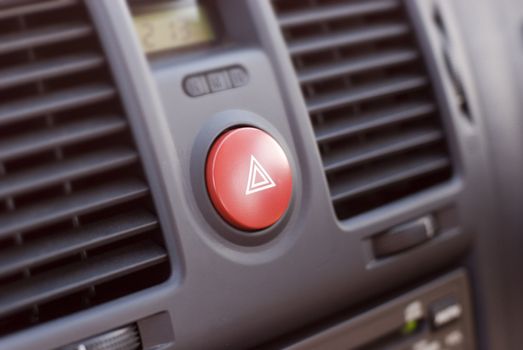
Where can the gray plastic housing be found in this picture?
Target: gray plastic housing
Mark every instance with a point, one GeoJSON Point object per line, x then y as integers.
{"type": "Point", "coordinates": [224, 294]}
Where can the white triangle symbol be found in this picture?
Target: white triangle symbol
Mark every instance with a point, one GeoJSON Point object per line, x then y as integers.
{"type": "Point", "coordinates": [259, 179]}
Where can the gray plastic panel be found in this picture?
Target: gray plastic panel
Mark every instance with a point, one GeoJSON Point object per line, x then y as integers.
{"type": "Point", "coordinates": [228, 295]}
{"type": "Point", "coordinates": [496, 62]}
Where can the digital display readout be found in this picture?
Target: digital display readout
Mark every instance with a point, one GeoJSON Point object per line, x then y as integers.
{"type": "Point", "coordinates": [180, 25]}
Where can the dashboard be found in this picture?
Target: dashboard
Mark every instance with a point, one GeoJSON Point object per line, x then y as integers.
{"type": "Point", "coordinates": [261, 174]}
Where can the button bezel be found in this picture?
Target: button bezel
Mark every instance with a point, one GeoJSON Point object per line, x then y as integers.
{"type": "Point", "coordinates": [217, 125]}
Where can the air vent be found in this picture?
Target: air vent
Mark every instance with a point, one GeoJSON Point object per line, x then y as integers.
{"type": "Point", "coordinates": [369, 100]}
{"type": "Point", "coordinates": [77, 224]}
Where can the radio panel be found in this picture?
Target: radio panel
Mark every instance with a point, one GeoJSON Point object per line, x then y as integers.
{"type": "Point", "coordinates": [436, 316]}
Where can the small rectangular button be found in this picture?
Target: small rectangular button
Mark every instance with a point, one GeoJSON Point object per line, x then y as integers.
{"type": "Point", "coordinates": [427, 344]}
{"type": "Point", "coordinates": [196, 86]}
{"type": "Point", "coordinates": [404, 237]}
{"type": "Point", "coordinates": [445, 311]}
{"type": "Point", "coordinates": [219, 81]}
{"type": "Point", "coordinates": [454, 339]}
{"type": "Point", "coordinates": [239, 76]}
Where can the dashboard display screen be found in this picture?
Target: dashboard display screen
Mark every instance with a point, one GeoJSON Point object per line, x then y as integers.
{"type": "Point", "coordinates": [177, 24]}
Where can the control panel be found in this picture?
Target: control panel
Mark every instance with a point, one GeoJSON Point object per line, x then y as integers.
{"type": "Point", "coordinates": [435, 316]}
{"type": "Point", "coordinates": [270, 174]}
{"type": "Point", "coordinates": [298, 202]}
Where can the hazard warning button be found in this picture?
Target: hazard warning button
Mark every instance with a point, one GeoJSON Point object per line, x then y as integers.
{"type": "Point", "coordinates": [249, 178]}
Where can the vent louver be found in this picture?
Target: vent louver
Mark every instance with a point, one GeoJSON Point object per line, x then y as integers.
{"type": "Point", "coordinates": [369, 99]}
{"type": "Point", "coordinates": [77, 224]}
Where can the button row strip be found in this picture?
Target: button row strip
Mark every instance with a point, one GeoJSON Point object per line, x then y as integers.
{"type": "Point", "coordinates": [217, 80]}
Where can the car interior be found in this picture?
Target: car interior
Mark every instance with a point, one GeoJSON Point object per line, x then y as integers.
{"type": "Point", "coordinates": [261, 174]}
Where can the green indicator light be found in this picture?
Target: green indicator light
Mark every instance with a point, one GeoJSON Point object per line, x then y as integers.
{"type": "Point", "coordinates": [409, 327]}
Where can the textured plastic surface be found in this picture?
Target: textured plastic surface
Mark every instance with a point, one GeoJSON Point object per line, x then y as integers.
{"type": "Point", "coordinates": [248, 178]}
{"type": "Point", "coordinates": [324, 262]}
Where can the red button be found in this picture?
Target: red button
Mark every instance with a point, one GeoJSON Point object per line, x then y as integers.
{"type": "Point", "coordinates": [249, 178]}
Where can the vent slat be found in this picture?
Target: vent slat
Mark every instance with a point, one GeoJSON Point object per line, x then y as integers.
{"type": "Point", "coordinates": [54, 102]}
{"type": "Point", "coordinates": [385, 146]}
{"type": "Point", "coordinates": [334, 12]}
{"type": "Point", "coordinates": [50, 68]}
{"type": "Point", "coordinates": [36, 7]}
{"type": "Point", "coordinates": [52, 211]}
{"type": "Point", "coordinates": [59, 136]}
{"type": "Point", "coordinates": [43, 36]}
{"type": "Point", "coordinates": [358, 65]}
{"type": "Point", "coordinates": [67, 170]}
{"type": "Point", "coordinates": [384, 176]}
{"type": "Point", "coordinates": [51, 248]}
{"type": "Point", "coordinates": [352, 37]}
{"type": "Point", "coordinates": [367, 92]}
{"type": "Point", "coordinates": [78, 276]}
{"type": "Point", "coordinates": [370, 121]}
